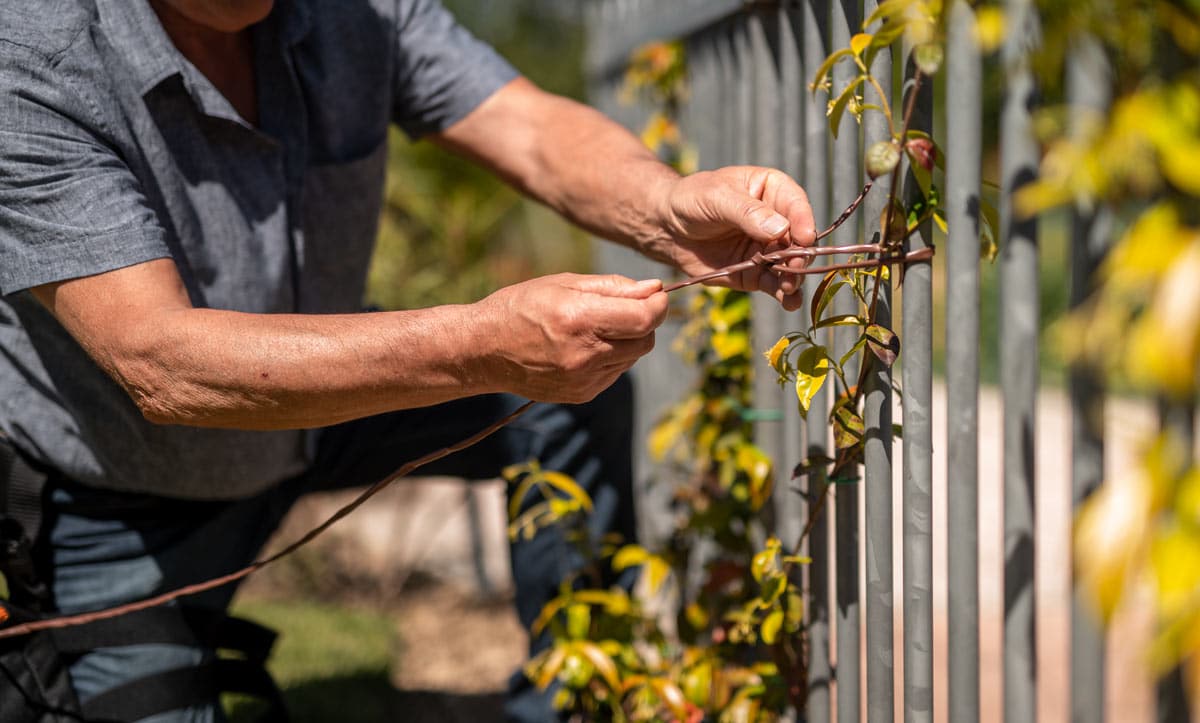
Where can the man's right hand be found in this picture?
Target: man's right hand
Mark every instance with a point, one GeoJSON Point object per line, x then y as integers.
{"type": "Point", "coordinates": [567, 337]}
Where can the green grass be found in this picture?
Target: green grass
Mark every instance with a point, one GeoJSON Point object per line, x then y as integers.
{"type": "Point", "coordinates": [331, 663]}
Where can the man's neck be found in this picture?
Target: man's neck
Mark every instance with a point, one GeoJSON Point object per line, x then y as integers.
{"type": "Point", "coordinates": [226, 59]}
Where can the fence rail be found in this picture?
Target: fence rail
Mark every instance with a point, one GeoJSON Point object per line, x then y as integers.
{"type": "Point", "coordinates": [749, 103]}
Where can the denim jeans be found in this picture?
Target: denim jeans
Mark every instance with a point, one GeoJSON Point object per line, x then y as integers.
{"type": "Point", "coordinates": [108, 548]}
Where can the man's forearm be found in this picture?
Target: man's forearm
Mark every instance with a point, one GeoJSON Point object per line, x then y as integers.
{"type": "Point", "coordinates": [574, 159]}
{"type": "Point", "coordinates": [560, 338]}
{"type": "Point", "coordinates": [203, 367]}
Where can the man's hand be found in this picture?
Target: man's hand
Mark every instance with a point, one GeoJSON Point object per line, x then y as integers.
{"type": "Point", "coordinates": [717, 218]}
{"type": "Point", "coordinates": [568, 337]}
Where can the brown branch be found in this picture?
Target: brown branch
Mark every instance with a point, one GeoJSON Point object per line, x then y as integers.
{"type": "Point", "coordinates": [404, 470]}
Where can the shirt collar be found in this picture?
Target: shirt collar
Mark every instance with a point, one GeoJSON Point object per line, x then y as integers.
{"type": "Point", "coordinates": [136, 33]}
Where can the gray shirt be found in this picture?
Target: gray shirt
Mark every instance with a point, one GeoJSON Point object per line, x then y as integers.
{"type": "Point", "coordinates": [115, 150]}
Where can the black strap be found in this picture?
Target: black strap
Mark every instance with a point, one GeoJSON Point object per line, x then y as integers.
{"type": "Point", "coordinates": [185, 688]}
{"type": "Point", "coordinates": [190, 627]}
{"type": "Point", "coordinates": [20, 489]}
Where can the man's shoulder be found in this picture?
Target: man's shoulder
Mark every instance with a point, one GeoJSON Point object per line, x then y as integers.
{"type": "Point", "coordinates": [46, 28]}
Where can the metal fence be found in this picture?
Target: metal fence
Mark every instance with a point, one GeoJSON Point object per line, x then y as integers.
{"type": "Point", "coordinates": [749, 65]}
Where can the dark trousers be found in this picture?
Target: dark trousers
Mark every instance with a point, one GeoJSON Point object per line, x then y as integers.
{"type": "Point", "coordinates": [108, 548]}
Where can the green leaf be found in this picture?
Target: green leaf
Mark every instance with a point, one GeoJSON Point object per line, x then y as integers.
{"type": "Point", "coordinates": [858, 345]}
{"type": "Point", "coordinates": [770, 627]}
{"type": "Point", "coordinates": [794, 617]}
{"type": "Point", "coordinates": [838, 108]}
{"type": "Point", "coordinates": [579, 621]}
{"type": "Point", "coordinates": [824, 294]}
{"type": "Point", "coordinates": [772, 587]}
{"type": "Point", "coordinates": [763, 563]}
{"type": "Point", "coordinates": [841, 320]}
{"type": "Point", "coordinates": [812, 367]}
{"type": "Point", "coordinates": [823, 71]}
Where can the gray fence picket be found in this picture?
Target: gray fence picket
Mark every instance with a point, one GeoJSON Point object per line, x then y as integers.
{"type": "Point", "coordinates": [877, 445]}
{"type": "Point", "coordinates": [916, 371]}
{"type": "Point", "coordinates": [1088, 95]}
{"type": "Point", "coordinates": [964, 133]}
{"type": "Point", "coordinates": [816, 181]}
{"type": "Point", "coordinates": [1019, 306]}
{"type": "Point", "coordinates": [845, 19]}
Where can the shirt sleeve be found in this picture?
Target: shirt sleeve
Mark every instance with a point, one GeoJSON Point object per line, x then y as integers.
{"type": "Point", "coordinates": [442, 71]}
{"type": "Point", "coordinates": [69, 206]}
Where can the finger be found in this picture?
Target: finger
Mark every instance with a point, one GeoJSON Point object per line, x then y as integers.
{"type": "Point", "coordinates": [622, 318]}
{"type": "Point", "coordinates": [752, 216]}
{"type": "Point", "coordinates": [614, 285]}
{"type": "Point", "coordinates": [625, 352]}
{"type": "Point", "coordinates": [787, 198]}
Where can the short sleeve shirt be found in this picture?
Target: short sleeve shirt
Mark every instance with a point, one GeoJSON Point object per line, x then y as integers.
{"type": "Point", "coordinates": [115, 150]}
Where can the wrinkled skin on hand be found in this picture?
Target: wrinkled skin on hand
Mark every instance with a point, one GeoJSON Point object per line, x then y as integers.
{"type": "Point", "coordinates": [718, 218]}
{"type": "Point", "coordinates": [569, 336]}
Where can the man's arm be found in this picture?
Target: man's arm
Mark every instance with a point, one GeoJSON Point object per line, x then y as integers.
{"type": "Point", "coordinates": [601, 176]}
{"type": "Point", "coordinates": [558, 338]}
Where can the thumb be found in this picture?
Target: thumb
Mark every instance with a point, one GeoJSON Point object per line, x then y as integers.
{"type": "Point", "coordinates": [755, 218]}
{"type": "Point", "coordinates": [618, 286]}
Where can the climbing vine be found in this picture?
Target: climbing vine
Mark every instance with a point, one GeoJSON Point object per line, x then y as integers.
{"type": "Point", "coordinates": [736, 649]}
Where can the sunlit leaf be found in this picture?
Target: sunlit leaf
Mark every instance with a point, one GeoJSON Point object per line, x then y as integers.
{"type": "Point", "coordinates": [569, 487]}
{"type": "Point", "coordinates": [990, 28]}
{"type": "Point", "coordinates": [730, 344]}
{"type": "Point", "coordinates": [770, 627]}
{"type": "Point", "coordinates": [859, 43]}
{"type": "Point", "coordinates": [775, 356]}
{"type": "Point", "coordinates": [838, 106]}
{"type": "Point", "coordinates": [603, 663]}
{"type": "Point", "coordinates": [812, 367]}
{"type": "Point", "coordinates": [822, 74]}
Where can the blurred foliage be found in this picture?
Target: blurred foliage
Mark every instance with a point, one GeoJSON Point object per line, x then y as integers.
{"type": "Point", "coordinates": [1137, 537]}
{"type": "Point", "coordinates": [451, 232]}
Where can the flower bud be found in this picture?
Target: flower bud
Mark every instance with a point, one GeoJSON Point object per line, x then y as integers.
{"type": "Point", "coordinates": [922, 152]}
{"type": "Point", "coordinates": [882, 158]}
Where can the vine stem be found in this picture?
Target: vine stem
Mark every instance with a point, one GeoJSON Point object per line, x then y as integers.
{"type": "Point", "coordinates": [886, 243]}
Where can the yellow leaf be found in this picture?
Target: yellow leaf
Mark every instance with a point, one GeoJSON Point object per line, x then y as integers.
{"type": "Point", "coordinates": [812, 367]}
{"type": "Point", "coordinates": [731, 344]}
{"type": "Point", "coordinates": [1108, 536]}
{"type": "Point", "coordinates": [569, 487]}
{"type": "Point", "coordinates": [628, 556]}
{"type": "Point", "coordinates": [770, 627]}
{"type": "Point", "coordinates": [663, 437]}
{"type": "Point", "coordinates": [1175, 557]}
{"type": "Point", "coordinates": [775, 355]}
{"type": "Point", "coordinates": [602, 662]}
{"type": "Point", "coordinates": [859, 43]}
{"type": "Point", "coordinates": [990, 28]}
{"type": "Point", "coordinates": [1164, 345]}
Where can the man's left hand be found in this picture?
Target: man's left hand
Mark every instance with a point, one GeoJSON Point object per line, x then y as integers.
{"type": "Point", "coordinates": [717, 218]}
